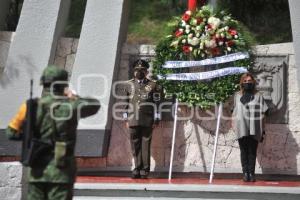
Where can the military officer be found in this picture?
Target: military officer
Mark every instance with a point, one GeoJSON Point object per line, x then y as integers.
{"type": "Point", "coordinates": [57, 115]}
{"type": "Point", "coordinates": [144, 96]}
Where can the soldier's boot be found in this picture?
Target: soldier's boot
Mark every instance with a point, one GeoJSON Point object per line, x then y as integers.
{"type": "Point", "coordinates": [136, 174]}
{"type": "Point", "coordinates": [144, 174]}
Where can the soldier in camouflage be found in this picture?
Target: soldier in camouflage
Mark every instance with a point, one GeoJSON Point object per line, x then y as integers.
{"type": "Point", "coordinates": [144, 96]}
{"type": "Point", "coordinates": [57, 116]}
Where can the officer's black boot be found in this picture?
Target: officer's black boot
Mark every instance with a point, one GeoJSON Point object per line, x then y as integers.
{"type": "Point", "coordinates": [136, 174]}
{"type": "Point", "coordinates": [144, 174]}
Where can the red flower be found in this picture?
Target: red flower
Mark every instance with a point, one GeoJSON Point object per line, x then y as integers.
{"type": "Point", "coordinates": [209, 27]}
{"type": "Point", "coordinates": [215, 51]}
{"type": "Point", "coordinates": [186, 49]}
{"type": "Point", "coordinates": [232, 32]}
{"type": "Point", "coordinates": [186, 17]}
{"type": "Point", "coordinates": [199, 20]}
{"type": "Point", "coordinates": [178, 33]}
{"type": "Point", "coordinates": [230, 43]}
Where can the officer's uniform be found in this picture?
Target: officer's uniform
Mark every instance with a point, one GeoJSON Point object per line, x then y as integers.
{"type": "Point", "coordinates": [144, 97]}
{"type": "Point", "coordinates": [56, 121]}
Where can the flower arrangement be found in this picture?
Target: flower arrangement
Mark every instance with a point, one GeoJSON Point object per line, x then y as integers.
{"type": "Point", "coordinates": [200, 35]}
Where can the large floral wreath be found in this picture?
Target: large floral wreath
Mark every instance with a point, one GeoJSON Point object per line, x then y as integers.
{"type": "Point", "coordinates": [200, 35]}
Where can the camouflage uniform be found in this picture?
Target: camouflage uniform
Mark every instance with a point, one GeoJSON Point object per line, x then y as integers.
{"type": "Point", "coordinates": [56, 121]}
{"type": "Point", "coordinates": [143, 97]}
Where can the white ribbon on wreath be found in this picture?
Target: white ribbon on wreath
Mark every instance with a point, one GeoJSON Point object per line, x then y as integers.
{"type": "Point", "coordinates": [209, 61]}
{"type": "Point", "coordinates": [204, 75]}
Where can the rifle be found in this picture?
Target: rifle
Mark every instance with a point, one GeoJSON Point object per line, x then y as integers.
{"type": "Point", "coordinates": [34, 150]}
{"type": "Point", "coordinates": [28, 127]}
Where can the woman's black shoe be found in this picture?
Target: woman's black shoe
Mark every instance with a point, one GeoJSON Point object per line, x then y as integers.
{"type": "Point", "coordinates": [246, 177]}
{"type": "Point", "coordinates": [252, 177]}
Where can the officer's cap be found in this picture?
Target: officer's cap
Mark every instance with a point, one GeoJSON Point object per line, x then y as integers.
{"type": "Point", "coordinates": [52, 74]}
{"type": "Point", "coordinates": [140, 64]}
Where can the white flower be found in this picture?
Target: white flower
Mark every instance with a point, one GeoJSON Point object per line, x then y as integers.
{"type": "Point", "coordinates": [187, 31]}
{"type": "Point", "coordinates": [198, 28]}
{"type": "Point", "coordinates": [217, 35]}
{"type": "Point", "coordinates": [214, 22]}
{"type": "Point", "coordinates": [203, 55]}
{"type": "Point", "coordinates": [183, 41]}
{"type": "Point", "coordinates": [226, 28]}
{"type": "Point", "coordinates": [187, 26]}
{"type": "Point", "coordinates": [221, 43]}
{"type": "Point", "coordinates": [183, 23]}
{"type": "Point", "coordinates": [228, 36]}
{"type": "Point", "coordinates": [194, 21]}
{"type": "Point", "coordinates": [222, 35]}
{"type": "Point", "coordinates": [212, 44]}
{"type": "Point", "coordinates": [197, 34]}
{"type": "Point", "coordinates": [181, 29]}
{"type": "Point", "coordinates": [202, 45]}
{"type": "Point", "coordinates": [228, 49]}
{"type": "Point", "coordinates": [191, 48]}
{"type": "Point", "coordinates": [236, 37]}
{"type": "Point", "coordinates": [226, 18]}
{"type": "Point", "coordinates": [174, 43]}
{"type": "Point", "coordinates": [188, 12]}
{"type": "Point", "coordinates": [195, 41]}
{"type": "Point", "coordinates": [190, 35]}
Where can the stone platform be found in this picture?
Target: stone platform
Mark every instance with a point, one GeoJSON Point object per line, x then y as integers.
{"type": "Point", "coordinates": [95, 187]}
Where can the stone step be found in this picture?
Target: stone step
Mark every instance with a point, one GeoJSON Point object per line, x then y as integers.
{"type": "Point", "coordinates": [182, 191]}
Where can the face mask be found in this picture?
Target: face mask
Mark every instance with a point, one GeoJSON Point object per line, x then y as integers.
{"type": "Point", "coordinates": [248, 87]}
{"type": "Point", "coordinates": [140, 75]}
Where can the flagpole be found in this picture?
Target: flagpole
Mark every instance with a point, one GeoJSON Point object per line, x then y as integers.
{"type": "Point", "coordinates": [216, 143]}
{"type": "Point", "coordinates": [173, 140]}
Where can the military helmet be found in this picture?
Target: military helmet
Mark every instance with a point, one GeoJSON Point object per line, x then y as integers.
{"type": "Point", "coordinates": [52, 74]}
{"type": "Point", "coordinates": [140, 64]}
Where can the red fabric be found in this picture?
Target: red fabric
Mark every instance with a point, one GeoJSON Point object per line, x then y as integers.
{"type": "Point", "coordinates": [192, 5]}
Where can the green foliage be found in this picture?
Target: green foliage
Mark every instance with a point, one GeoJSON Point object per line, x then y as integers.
{"type": "Point", "coordinates": [268, 20]}
{"type": "Point", "coordinates": [13, 15]}
{"type": "Point", "coordinates": [75, 19]}
{"type": "Point", "coordinates": [149, 19]}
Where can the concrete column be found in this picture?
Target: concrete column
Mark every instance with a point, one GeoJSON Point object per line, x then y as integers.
{"type": "Point", "coordinates": [4, 8]}
{"type": "Point", "coordinates": [33, 48]}
{"type": "Point", "coordinates": [295, 21]}
{"type": "Point", "coordinates": [96, 63]}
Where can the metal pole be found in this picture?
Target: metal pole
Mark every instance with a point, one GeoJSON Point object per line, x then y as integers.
{"type": "Point", "coordinates": [173, 140]}
{"type": "Point", "coordinates": [216, 143]}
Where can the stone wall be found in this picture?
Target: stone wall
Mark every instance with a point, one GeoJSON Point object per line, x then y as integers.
{"type": "Point", "coordinates": [5, 40]}
{"type": "Point", "coordinates": [10, 181]}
